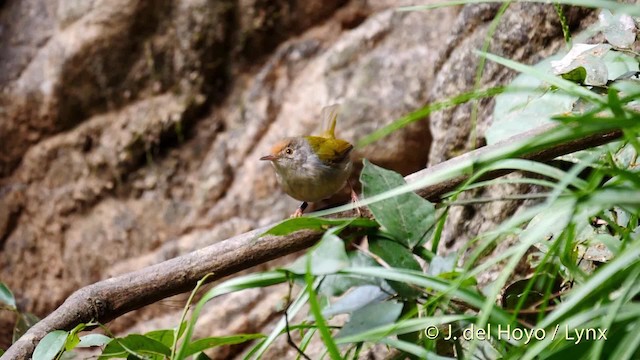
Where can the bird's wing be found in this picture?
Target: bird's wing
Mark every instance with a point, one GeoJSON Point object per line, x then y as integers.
{"type": "Point", "coordinates": [330, 150]}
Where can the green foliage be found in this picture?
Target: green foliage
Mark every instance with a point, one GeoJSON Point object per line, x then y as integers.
{"type": "Point", "coordinates": [397, 256]}
{"type": "Point", "coordinates": [314, 223]}
{"type": "Point", "coordinates": [50, 345]}
{"type": "Point", "coordinates": [137, 345]}
{"type": "Point", "coordinates": [531, 103]}
{"type": "Point", "coordinates": [407, 217]}
{"type": "Point", "coordinates": [569, 262]}
{"type": "Point", "coordinates": [6, 297]}
{"type": "Point", "coordinates": [24, 320]}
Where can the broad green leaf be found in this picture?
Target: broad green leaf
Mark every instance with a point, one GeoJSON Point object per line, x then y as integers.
{"type": "Point", "coordinates": [420, 279]}
{"type": "Point", "coordinates": [50, 345]}
{"type": "Point", "coordinates": [442, 264]}
{"type": "Point", "coordinates": [91, 340]}
{"type": "Point", "coordinates": [618, 64]}
{"type": "Point", "coordinates": [210, 342]}
{"type": "Point", "coordinates": [527, 103]}
{"type": "Point", "coordinates": [314, 223]}
{"type": "Point", "coordinates": [337, 284]}
{"type": "Point", "coordinates": [513, 117]}
{"type": "Point", "coordinates": [544, 76]}
{"type": "Point", "coordinates": [6, 296]}
{"type": "Point", "coordinates": [584, 64]}
{"type": "Point", "coordinates": [408, 217]}
{"type": "Point", "coordinates": [355, 299]}
{"type": "Point", "coordinates": [371, 316]}
{"type": "Point", "coordinates": [401, 327]}
{"type": "Point", "coordinates": [410, 309]}
{"type": "Point", "coordinates": [328, 257]}
{"type": "Point", "coordinates": [164, 336]}
{"type": "Point", "coordinates": [134, 344]}
{"type": "Point", "coordinates": [399, 257]}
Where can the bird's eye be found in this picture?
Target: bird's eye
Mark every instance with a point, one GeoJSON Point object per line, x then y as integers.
{"type": "Point", "coordinates": [288, 151]}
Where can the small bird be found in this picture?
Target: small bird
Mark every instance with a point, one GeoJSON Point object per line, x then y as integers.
{"type": "Point", "coordinates": [312, 168]}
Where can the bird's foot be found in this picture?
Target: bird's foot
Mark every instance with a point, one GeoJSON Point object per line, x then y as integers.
{"type": "Point", "coordinates": [355, 200]}
{"type": "Point", "coordinates": [300, 210]}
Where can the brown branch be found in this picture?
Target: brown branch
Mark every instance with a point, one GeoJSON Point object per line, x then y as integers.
{"type": "Point", "coordinates": [111, 298]}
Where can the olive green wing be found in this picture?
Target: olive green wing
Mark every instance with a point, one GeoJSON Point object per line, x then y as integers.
{"type": "Point", "coordinates": [328, 149]}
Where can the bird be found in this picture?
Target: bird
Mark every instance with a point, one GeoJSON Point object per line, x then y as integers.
{"type": "Point", "coordinates": [312, 168]}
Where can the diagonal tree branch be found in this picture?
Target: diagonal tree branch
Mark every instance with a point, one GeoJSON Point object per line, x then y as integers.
{"type": "Point", "coordinates": [111, 298]}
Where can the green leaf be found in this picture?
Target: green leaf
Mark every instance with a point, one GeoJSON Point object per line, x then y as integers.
{"type": "Point", "coordinates": [24, 322]}
{"type": "Point", "coordinates": [134, 344]}
{"type": "Point", "coordinates": [584, 64]}
{"type": "Point", "coordinates": [355, 299]}
{"type": "Point", "coordinates": [419, 279]}
{"type": "Point", "coordinates": [527, 103]}
{"type": "Point", "coordinates": [579, 75]}
{"type": "Point", "coordinates": [397, 256]}
{"type": "Point", "coordinates": [408, 216]}
{"type": "Point", "coordinates": [619, 64]}
{"type": "Point", "coordinates": [410, 309]}
{"type": "Point", "coordinates": [316, 311]}
{"type": "Point", "coordinates": [73, 339]}
{"type": "Point", "coordinates": [91, 340]}
{"type": "Point", "coordinates": [210, 342]}
{"type": "Point", "coordinates": [50, 345]}
{"type": "Point", "coordinates": [371, 316]}
{"type": "Point", "coordinates": [337, 284]}
{"type": "Point", "coordinates": [313, 223]}
{"type": "Point", "coordinates": [400, 327]}
{"type": "Point", "coordinates": [236, 284]}
{"type": "Point", "coordinates": [202, 356]}
{"type": "Point", "coordinates": [565, 85]}
{"type": "Point", "coordinates": [6, 296]}
{"type": "Point", "coordinates": [442, 264]}
{"type": "Point", "coordinates": [327, 257]}
{"type": "Point", "coordinates": [164, 336]}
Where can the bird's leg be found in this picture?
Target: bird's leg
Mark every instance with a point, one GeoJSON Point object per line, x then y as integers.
{"type": "Point", "coordinates": [300, 210]}
{"type": "Point", "coordinates": [354, 198]}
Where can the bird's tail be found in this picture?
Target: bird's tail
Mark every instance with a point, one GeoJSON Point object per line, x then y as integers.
{"type": "Point", "coordinates": [329, 117]}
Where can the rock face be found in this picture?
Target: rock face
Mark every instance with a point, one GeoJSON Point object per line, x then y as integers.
{"type": "Point", "coordinates": [130, 131]}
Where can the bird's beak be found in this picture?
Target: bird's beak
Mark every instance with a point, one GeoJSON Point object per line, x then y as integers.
{"type": "Point", "coordinates": [269, 157]}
